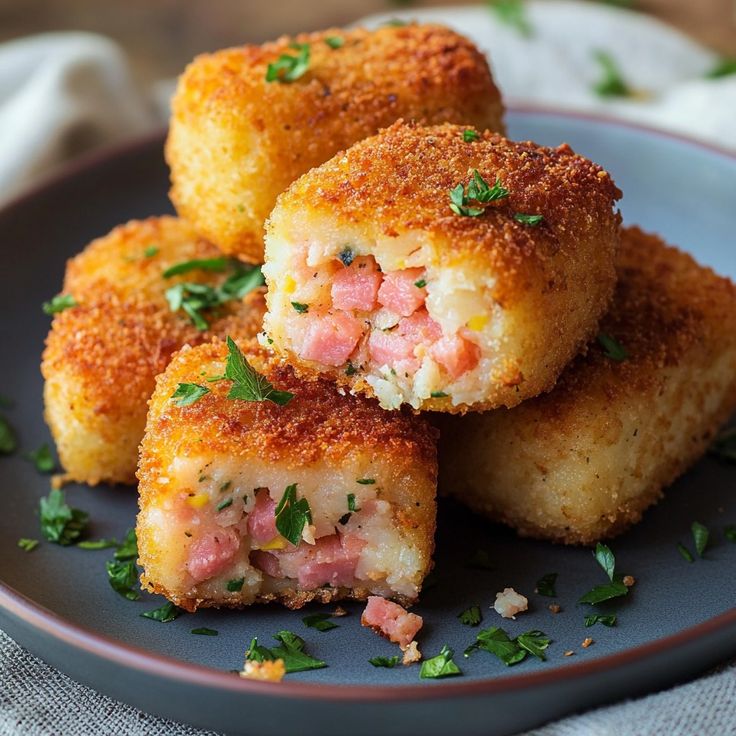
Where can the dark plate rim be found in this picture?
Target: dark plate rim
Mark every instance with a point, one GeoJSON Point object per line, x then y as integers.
{"type": "Point", "coordinates": [42, 619]}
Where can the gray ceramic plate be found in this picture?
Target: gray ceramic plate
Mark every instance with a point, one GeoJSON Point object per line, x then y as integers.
{"type": "Point", "coordinates": [679, 620]}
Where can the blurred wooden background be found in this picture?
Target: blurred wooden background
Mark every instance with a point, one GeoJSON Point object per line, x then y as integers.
{"type": "Point", "coordinates": [161, 36]}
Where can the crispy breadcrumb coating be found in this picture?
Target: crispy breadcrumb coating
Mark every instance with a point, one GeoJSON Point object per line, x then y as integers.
{"type": "Point", "coordinates": [236, 141]}
{"type": "Point", "coordinates": [102, 355]}
{"type": "Point", "coordinates": [584, 462]}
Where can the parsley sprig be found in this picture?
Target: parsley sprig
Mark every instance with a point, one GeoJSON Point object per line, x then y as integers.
{"type": "Point", "coordinates": [471, 616]}
{"type": "Point", "coordinates": [319, 621]}
{"type": "Point", "coordinates": [510, 651]}
{"type": "Point", "coordinates": [292, 515]}
{"type": "Point", "coordinates": [441, 665]}
{"type": "Point", "coordinates": [479, 191]}
{"type": "Point", "coordinates": [187, 394]}
{"type": "Point", "coordinates": [615, 586]}
{"type": "Point", "coordinates": [546, 585]}
{"type": "Point", "coordinates": [164, 614]}
{"type": "Point", "coordinates": [512, 13]}
{"type": "Point", "coordinates": [122, 571]}
{"type": "Point", "coordinates": [290, 650]}
{"type": "Point", "coordinates": [388, 662]}
{"type": "Point", "coordinates": [288, 68]}
{"type": "Point", "coordinates": [60, 523]}
{"type": "Point", "coordinates": [248, 384]}
{"type": "Point", "coordinates": [42, 459]}
{"type": "Point", "coordinates": [59, 303]}
{"type": "Point", "coordinates": [612, 348]}
{"type": "Point", "coordinates": [611, 82]}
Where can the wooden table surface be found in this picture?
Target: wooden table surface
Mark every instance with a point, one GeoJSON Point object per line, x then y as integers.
{"type": "Point", "coordinates": [161, 36]}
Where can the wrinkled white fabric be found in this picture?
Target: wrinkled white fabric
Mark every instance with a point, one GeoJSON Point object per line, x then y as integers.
{"type": "Point", "coordinates": [64, 93]}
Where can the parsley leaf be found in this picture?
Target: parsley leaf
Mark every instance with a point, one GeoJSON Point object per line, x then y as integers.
{"type": "Point", "coordinates": [612, 348]}
{"type": "Point", "coordinates": [439, 666]}
{"type": "Point", "coordinates": [496, 641]}
{"type": "Point", "coordinates": [438, 395]}
{"type": "Point", "coordinates": [351, 370]}
{"type": "Point", "coordinates": [389, 662]}
{"type": "Point", "coordinates": [289, 68]}
{"type": "Point", "coordinates": [534, 642]}
{"type": "Point", "coordinates": [512, 13]}
{"type": "Point", "coordinates": [700, 537]}
{"type": "Point", "coordinates": [479, 191]}
{"type": "Point", "coordinates": [605, 559]}
{"type": "Point", "coordinates": [351, 502]}
{"type": "Point", "coordinates": [605, 592]}
{"type": "Point", "coordinates": [224, 504]}
{"type": "Point", "coordinates": [546, 585]}
{"type": "Point", "coordinates": [687, 555]}
{"type": "Point", "coordinates": [724, 445]}
{"type": "Point", "coordinates": [469, 135]}
{"type": "Point", "coordinates": [150, 252]}
{"type": "Point", "coordinates": [421, 283]}
{"type": "Point", "coordinates": [98, 544]}
{"type": "Point", "coordinates": [164, 614]}
{"type": "Point", "coordinates": [123, 577]}
{"type": "Point", "coordinates": [458, 200]}
{"type": "Point", "coordinates": [217, 265]}
{"type": "Point", "coordinates": [28, 545]}
{"type": "Point", "coordinates": [346, 256]}
{"type": "Point", "coordinates": [531, 220]}
{"type": "Point", "coordinates": [204, 631]}
{"type": "Point", "coordinates": [730, 533]}
{"type": "Point", "coordinates": [235, 585]}
{"type": "Point", "coordinates": [60, 523]}
{"type": "Point", "coordinates": [8, 442]}
{"type": "Point", "coordinates": [319, 621]}
{"type": "Point", "coordinates": [188, 393]}
{"type": "Point", "coordinates": [471, 616]}
{"type": "Point", "coordinates": [366, 481]}
{"type": "Point", "coordinates": [611, 83]}
{"type": "Point", "coordinates": [292, 515]}
{"type": "Point", "coordinates": [59, 303]}
{"type": "Point", "coordinates": [300, 308]}
{"type": "Point", "coordinates": [42, 459]}
{"type": "Point", "coordinates": [248, 384]}
{"type": "Point", "coordinates": [290, 650]}
{"type": "Point", "coordinates": [723, 68]}
{"type": "Point", "coordinates": [335, 42]}
{"type": "Point", "coordinates": [608, 619]}
{"type": "Point", "coordinates": [128, 548]}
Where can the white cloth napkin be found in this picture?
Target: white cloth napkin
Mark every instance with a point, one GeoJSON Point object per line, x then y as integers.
{"type": "Point", "coordinates": [63, 93]}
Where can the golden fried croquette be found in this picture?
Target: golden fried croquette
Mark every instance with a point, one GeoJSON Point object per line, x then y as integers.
{"type": "Point", "coordinates": [377, 282]}
{"type": "Point", "coordinates": [583, 462]}
{"type": "Point", "coordinates": [102, 355]}
{"type": "Point", "coordinates": [213, 474]}
{"type": "Point", "coordinates": [236, 140]}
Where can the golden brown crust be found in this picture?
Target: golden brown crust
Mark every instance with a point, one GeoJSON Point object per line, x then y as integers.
{"type": "Point", "coordinates": [223, 103]}
{"type": "Point", "coordinates": [585, 461]}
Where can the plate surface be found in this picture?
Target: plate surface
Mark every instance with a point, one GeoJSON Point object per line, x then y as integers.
{"type": "Point", "coordinates": [679, 619]}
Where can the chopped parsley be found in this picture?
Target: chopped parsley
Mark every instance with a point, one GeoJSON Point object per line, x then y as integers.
{"type": "Point", "coordinates": [59, 303]}
{"type": "Point", "coordinates": [128, 548]}
{"type": "Point", "coordinates": [248, 384]}
{"type": "Point", "coordinates": [123, 577]}
{"type": "Point", "coordinates": [366, 481]}
{"type": "Point", "coordinates": [389, 662]}
{"type": "Point", "coordinates": [187, 394]}
{"type": "Point", "coordinates": [513, 14]}
{"type": "Point", "coordinates": [607, 619]}
{"type": "Point", "coordinates": [611, 82]}
{"type": "Point", "coordinates": [470, 135]}
{"type": "Point", "coordinates": [497, 642]}
{"type": "Point", "coordinates": [478, 190]}
{"type": "Point", "coordinates": [480, 559]}
{"type": "Point", "coordinates": [723, 68]}
{"type": "Point", "coordinates": [420, 284]}
{"type": "Point", "coordinates": [335, 42]}
{"type": "Point", "coordinates": [471, 616]}
{"type": "Point", "coordinates": [438, 395]}
{"type": "Point", "coordinates": [42, 459]}
{"type": "Point", "coordinates": [60, 523]}
{"type": "Point", "coordinates": [730, 533]}
{"type": "Point", "coordinates": [700, 537]}
{"type": "Point", "coordinates": [224, 504]}
{"type": "Point", "coordinates": [164, 614]}
{"type": "Point", "coordinates": [546, 585]}
{"type": "Point", "coordinates": [28, 545]}
{"type": "Point", "coordinates": [612, 348]}
{"type": "Point", "coordinates": [439, 666]}
{"type": "Point", "coordinates": [686, 554]}
{"type": "Point", "coordinates": [218, 265]}
{"type": "Point", "coordinates": [8, 443]}
{"type": "Point", "coordinates": [290, 650]}
{"type": "Point", "coordinates": [150, 252]}
{"type": "Point", "coordinates": [300, 308]}
{"type": "Point", "coordinates": [612, 589]}
{"type": "Point", "coordinates": [535, 642]}
{"type": "Point", "coordinates": [288, 68]}
{"type": "Point", "coordinates": [92, 544]}
{"type": "Point", "coordinates": [350, 370]}
{"type": "Point", "coordinates": [235, 585]}
{"type": "Point", "coordinates": [346, 256]}
{"type": "Point", "coordinates": [724, 445]}
{"type": "Point", "coordinates": [351, 502]}
{"type": "Point", "coordinates": [531, 220]}
{"type": "Point", "coordinates": [204, 631]}
{"type": "Point", "coordinates": [319, 621]}
{"type": "Point", "coordinates": [292, 515]}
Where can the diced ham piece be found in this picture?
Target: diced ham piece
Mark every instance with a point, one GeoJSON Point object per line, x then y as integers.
{"type": "Point", "coordinates": [391, 620]}
{"type": "Point", "coordinates": [420, 328]}
{"type": "Point", "coordinates": [211, 553]}
{"type": "Point", "coordinates": [399, 292]}
{"type": "Point", "coordinates": [356, 287]}
{"type": "Point", "coordinates": [266, 562]}
{"type": "Point", "coordinates": [455, 354]}
{"type": "Point", "coordinates": [262, 519]}
{"type": "Point", "coordinates": [391, 349]}
{"type": "Point", "coordinates": [330, 338]}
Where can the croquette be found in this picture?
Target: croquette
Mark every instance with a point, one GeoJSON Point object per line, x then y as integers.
{"type": "Point", "coordinates": [440, 269]}
{"type": "Point", "coordinates": [103, 354]}
{"type": "Point", "coordinates": [237, 140]}
{"type": "Point", "coordinates": [628, 416]}
{"type": "Point", "coordinates": [314, 495]}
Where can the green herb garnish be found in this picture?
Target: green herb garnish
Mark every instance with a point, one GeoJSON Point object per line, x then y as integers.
{"type": "Point", "coordinates": [439, 666]}
{"type": "Point", "coordinates": [224, 504]}
{"type": "Point", "coordinates": [187, 394]}
{"type": "Point", "coordinates": [686, 554]}
{"type": "Point", "coordinates": [128, 548]}
{"type": "Point", "coordinates": [235, 585]}
{"type": "Point", "coordinates": [319, 621]}
{"type": "Point", "coordinates": [471, 616]}
{"type": "Point", "coordinates": [723, 68]}
{"type": "Point", "coordinates": [204, 631]}
{"type": "Point", "coordinates": [300, 308]}
{"type": "Point", "coordinates": [335, 42]}
{"type": "Point", "coordinates": [218, 265]}
{"type": "Point", "coordinates": [350, 370]}
{"type": "Point", "coordinates": [438, 395]}
{"type": "Point", "coordinates": [546, 585]}
{"type": "Point", "coordinates": [59, 303]}
{"type": "Point", "coordinates": [497, 642]}
{"type": "Point", "coordinates": [615, 587]}
{"type": "Point", "coordinates": [730, 533]}
{"type": "Point", "coordinates": [612, 348]}
{"type": "Point", "coordinates": [248, 384]}
{"type": "Point", "coordinates": [292, 515]}
{"type": "Point", "coordinates": [60, 523]}
{"type": "Point", "coordinates": [366, 481]}
{"type": "Point", "coordinates": [290, 650]}
{"type": "Point", "coordinates": [470, 135]}
{"type": "Point", "coordinates": [534, 642]}
{"type": "Point", "coordinates": [8, 442]}
{"type": "Point", "coordinates": [420, 284]}
{"type": "Point", "coordinates": [42, 459]}
{"type": "Point", "coordinates": [605, 558]}
{"type": "Point", "coordinates": [346, 255]}
{"type": "Point", "coordinates": [288, 68]}
{"type": "Point", "coordinates": [28, 545]}
{"type": "Point", "coordinates": [123, 577]}
{"type": "Point", "coordinates": [150, 252]}
{"type": "Point", "coordinates": [611, 82]}
{"type": "Point", "coordinates": [608, 619]}
{"type": "Point", "coordinates": [478, 190]}
{"type": "Point", "coordinates": [700, 537]}
{"type": "Point", "coordinates": [351, 502]}
{"type": "Point", "coordinates": [389, 662]}
{"type": "Point", "coordinates": [164, 614]}
{"type": "Point", "coordinates": [93, 544]}
{"type": "Point", "coordinates": [531, 220]}
{"type": "Point", "coordinates": [512, 13]}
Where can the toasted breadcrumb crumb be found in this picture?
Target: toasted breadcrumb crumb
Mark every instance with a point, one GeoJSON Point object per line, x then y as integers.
{"type": "Point", "coordinates": [629, 580]}
{"type": "Point", "coordinates": [339, 611]}
{"type": "Point", "coordinates": [509, 603]}
{"type": "Point", "coordinates": [586, 643]}
{"type": "Point", "coordinates": [411, 654]}
{"type": "Point", "coordinates": [266, 671]}
{"type": "Point", "coordinates": [569, 653]}
{"type": "Point", "coordinates": [554, 607]}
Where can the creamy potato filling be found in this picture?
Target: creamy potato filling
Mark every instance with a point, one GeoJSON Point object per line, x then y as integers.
{"type": "Point", "coordinates": [223, 534]}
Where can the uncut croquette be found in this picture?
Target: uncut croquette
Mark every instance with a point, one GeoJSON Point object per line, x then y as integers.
{"type": "Point", "coordinates": [236, 140]}
{"type": "Point", "coordinates": [583, 462]}
{"type": "Point", "coordinates": [214, 473]}
{"type": "Point", "coordinates": [377, 282]}
{"type": "Point", "coordinates": [103, 354]}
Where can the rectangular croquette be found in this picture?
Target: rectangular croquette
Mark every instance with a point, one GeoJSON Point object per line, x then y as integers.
{"type": "Point", "coordinates": [376, 282]}
{"type": "Point", "coordinates": [221, 478]}
{"type": "Point", "coordinates": [584, 461]}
